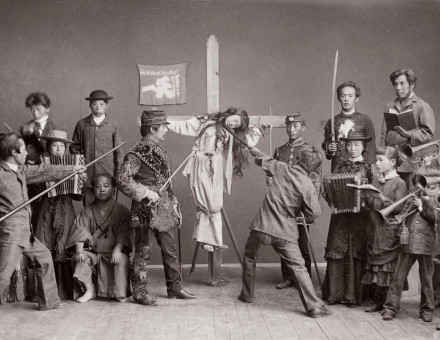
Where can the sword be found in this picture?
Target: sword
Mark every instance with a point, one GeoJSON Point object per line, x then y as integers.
{"type": "Point", "coordinates": [310, 248]}
{"type": "Point", "coordinates": [162, 188]}
{"type": "Point", "coordinates": [335, 71]}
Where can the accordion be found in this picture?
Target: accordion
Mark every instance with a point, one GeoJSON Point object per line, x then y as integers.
{"type": "Point", "coordinates": [73, 185]}
{"type": "Point", "coordinates": [340, 198]}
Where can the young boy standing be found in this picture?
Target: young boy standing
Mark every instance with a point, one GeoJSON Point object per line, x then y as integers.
{"type": "Point", "coordinates": [348, 94]}
{"type": "Point", "coordinates": [419, 216]}
{"type": "Point", "coordinates": [95, 135]}
{"type": "Point", "coordinates": [38, 104]}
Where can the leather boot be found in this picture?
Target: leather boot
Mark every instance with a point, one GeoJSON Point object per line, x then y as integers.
{"type": "Point", "coordinates": [89, 294]}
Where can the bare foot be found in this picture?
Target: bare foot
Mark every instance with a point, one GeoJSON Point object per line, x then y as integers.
{"type": "Point", "coordinates": [208, 247]}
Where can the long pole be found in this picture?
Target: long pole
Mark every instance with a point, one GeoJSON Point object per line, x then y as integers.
{"type": "Point", "coordinates": [58, 183]}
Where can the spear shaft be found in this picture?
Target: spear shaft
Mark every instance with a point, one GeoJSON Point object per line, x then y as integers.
{"type": "Point", "coordinates": [13, 211]}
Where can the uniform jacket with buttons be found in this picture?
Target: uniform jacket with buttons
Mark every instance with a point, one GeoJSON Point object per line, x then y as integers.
{"type": "Point", "coordinates": [93, 140]}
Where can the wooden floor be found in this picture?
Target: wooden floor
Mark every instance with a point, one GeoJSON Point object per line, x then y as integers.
{"type": "Point", "coordinates": [216, 314]}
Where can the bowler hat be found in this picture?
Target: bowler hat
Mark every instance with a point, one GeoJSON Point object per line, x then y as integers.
{"type": "Point", "coordinates": [153, 116]}
{"type": "Point", "coordinates": [354, 135]}
{"type": "Point", "coordinates": [98, 95]}
{"type": "Point", "coordinates": [294, 117]}
{"type": "Point", "coordinates": [57, 136]}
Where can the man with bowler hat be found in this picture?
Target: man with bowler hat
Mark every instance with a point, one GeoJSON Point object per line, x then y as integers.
{"type": "Point", "coordinates": [154, 211]}
{"type": "Point", "coordinates": [95, 135]}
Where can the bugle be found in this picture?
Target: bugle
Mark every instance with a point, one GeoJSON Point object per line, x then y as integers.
{"type": "Point", "coordinates": [407, 152]}
{"type": "Point", "coordinates": [429, 184]}
{"type": "Point", "coordinates": [379, 217]}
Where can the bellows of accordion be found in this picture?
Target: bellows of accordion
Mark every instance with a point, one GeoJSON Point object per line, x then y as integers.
{"type": "Point", "coordinates": [73, 185]}
{"type": "Point", "coordinates": [343, 199]}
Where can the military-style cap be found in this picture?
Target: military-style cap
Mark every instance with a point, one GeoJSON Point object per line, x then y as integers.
{"type": "Point", "coordinates": [294, 117]}
{"type": "Point", "coordinates": [153, 116]}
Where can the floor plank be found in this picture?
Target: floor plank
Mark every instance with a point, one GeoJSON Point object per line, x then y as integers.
{"type": "Point", "coordinates": [215, 314]}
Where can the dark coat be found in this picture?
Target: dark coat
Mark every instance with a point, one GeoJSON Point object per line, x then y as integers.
{"type": "Point", "coordinates": [94, 140]}
{"type": "Point", "coordinates": [354, 225]}
{"type": "Point", "coordinates": [422, 233]}
{"type": "Point", "coordinates": [28, 129]}
{"type": "Point", "coordinates": [363, 124]}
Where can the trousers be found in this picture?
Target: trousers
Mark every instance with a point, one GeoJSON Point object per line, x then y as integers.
{"type": "Point", "coordinates": [303, 244]}
{"type": "Point", "coordinates": [47, 291]}
{"type": "Point", "coordinates": [165, 240]}
{"type": "Point", "coordinates": [290, 254]}
{"type": "Point", "coordinates": [426, 271]}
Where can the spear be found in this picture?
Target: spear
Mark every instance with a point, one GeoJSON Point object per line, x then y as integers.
{"type": "Point", "coordinates": [235, 136]}
{"type": "Point", "coordinates": [58, 183]}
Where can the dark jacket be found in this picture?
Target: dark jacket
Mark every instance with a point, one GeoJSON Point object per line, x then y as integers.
{"type": "Point", "coordinates": [94, 140]}
{"type": "Point", "coordinates": [362, 123]}
{"type": "Point", "coordinates": [422, 233]}
{"type": "Point", "coordinates": [28, 129]}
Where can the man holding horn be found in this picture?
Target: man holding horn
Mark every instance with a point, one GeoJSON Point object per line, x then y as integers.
{"type": "Point", "coordinates": [16, 235]}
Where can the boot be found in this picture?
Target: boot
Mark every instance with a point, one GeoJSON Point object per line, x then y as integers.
{"type": "Point", "coordinates": [214, 267]}
{"type": "Point", "coordinates": [89, 294]}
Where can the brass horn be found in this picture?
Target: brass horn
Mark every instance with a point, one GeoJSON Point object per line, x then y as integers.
{"type": "Point", "coordinates": [429, 184]}
{"type": "Point", "coordinates": [379, 217]}
{"type": "Point", "coordinates": [406, 151]}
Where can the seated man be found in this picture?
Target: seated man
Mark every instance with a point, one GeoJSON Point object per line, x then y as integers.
{"type": "Point", "coordinates": [103, 228]}
{"type": "Point", "coordinates": [290, 194]}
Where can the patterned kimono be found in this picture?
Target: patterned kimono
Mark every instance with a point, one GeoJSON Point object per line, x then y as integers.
{"type": "Point", "coordinates": [346, 248]}
{"type": "Point", "coordinates": [210, 173]}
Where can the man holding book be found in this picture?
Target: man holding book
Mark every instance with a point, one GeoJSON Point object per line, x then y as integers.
{"type": "Point", "coordinates": [416, 132]}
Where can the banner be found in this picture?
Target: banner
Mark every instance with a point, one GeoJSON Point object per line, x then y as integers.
{"type": "Point", "coordinates": [160, 85]}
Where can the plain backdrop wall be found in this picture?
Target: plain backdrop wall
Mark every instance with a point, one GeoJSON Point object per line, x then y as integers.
{"type": "Point", "coordinates": [276, 54]}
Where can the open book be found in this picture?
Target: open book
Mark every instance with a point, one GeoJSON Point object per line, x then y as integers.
{"type": "Point", "coordinates": [368, 187]}
{"type": "Point", "coordinates": [404, 119]}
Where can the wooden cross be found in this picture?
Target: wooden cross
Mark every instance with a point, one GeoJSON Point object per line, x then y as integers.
{"type": "Point", "coordinates": [213, 91]}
